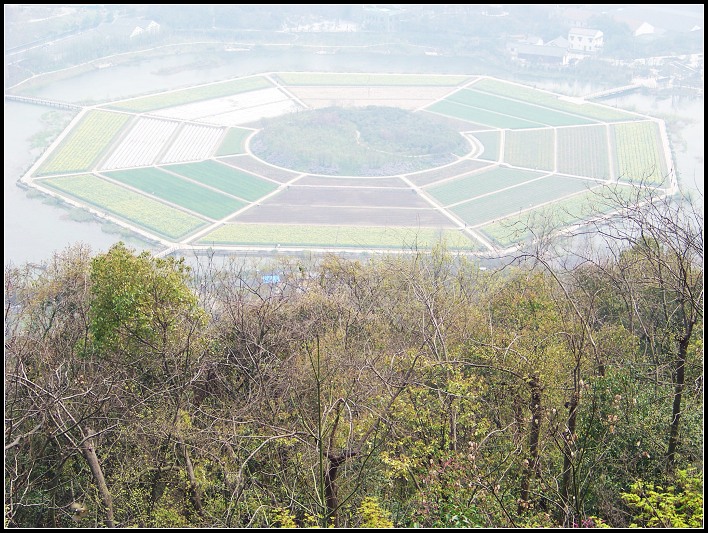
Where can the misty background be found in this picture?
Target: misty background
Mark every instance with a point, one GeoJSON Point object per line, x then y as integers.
{"type": "Point", "coordinates": [90, 54]}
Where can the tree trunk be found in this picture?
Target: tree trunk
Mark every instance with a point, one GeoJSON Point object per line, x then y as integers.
{"type": "Point", "coordinates": [89, 454]}
{"type": "Point", "coordinates": [568, 453]}
{"type": "Point", "coordinates": [194, 492]}
{"type": "Point", "coordinates": [453, 429]}
{"type": "Point", "coordinates": [517, 406]}
{"type": "Point", "coordinates": [331, 488]}
{"type": "Point", "coordinates": [532, 468]}
{"type": "Point", "coordinates": [678, 394]}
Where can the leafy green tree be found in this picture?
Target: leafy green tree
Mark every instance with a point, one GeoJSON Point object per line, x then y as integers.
{"type": "Point", "coordinates": [372, 515]}
{"type": "Point", "coordinates": [678, 505]}
{"type": "Point", "coordinates": [146, 320]}
{"type": "Point", "coordinates": [59, 402]}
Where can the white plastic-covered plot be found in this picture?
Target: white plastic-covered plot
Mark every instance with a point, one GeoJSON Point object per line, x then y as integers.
{"type": "Point", "coordinates": [142, 144]}
{"type": "Point", "coordinates": [251, 114]}
{"type": "Point", "coordinates": [193, 142]}
{"type": "Point", "coordinates": [226, 104]}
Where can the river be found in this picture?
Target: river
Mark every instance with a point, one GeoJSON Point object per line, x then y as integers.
{"type": "Point", "coordinates": [34, 230]}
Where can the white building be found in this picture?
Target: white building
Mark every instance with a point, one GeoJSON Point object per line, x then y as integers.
{"type": "Point", "coordinates": [640, 27]}
{"type": "Point", "coordinates": [585, 40]}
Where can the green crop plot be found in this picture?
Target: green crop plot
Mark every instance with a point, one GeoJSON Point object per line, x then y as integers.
{"type": "Point", "coordinates": [86, 142]}
{"type": "Point", "coordinates": [491, 140]}
{"type": "Point", "coordinates": [522, 197]}
{"type": "Point", "coordinates": [637, 152]}
{"type": "Point", "coordinates": [583, 151]}
{"type": "Point", "coordinates": [128, 205]}
{"type": "Point", "coordinates": [480, 116]}
{"type": "Point", "coordinates": [534, 149]}
{"type": "Point", "coordinates": [509, 106]}
{"type": "Point", "coordinates": [552, 101]}
{"type": "Point", "coordinates": [489, 181]}
{"type": "Point", "coordinates": [234, 142]}
{"type": "Point", "coordinates": [353, 79]}
{"type": "Point", "coordinates": [179, 191]}
{"type": "Point", "coordinates": [337, 236]}
{"type": "Point", "coordinates": [561, 214]}
{"type": "Point", "coordinates": [194, 94]}
{"type": "Point", "coordinates": [225, 178]}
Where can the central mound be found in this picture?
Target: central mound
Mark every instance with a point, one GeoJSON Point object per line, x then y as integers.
{"type": "Point", "coordinates": [369, 141]}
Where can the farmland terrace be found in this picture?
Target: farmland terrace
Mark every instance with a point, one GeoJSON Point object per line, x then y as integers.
{"type": "Point", "coordinates": [333, 161]}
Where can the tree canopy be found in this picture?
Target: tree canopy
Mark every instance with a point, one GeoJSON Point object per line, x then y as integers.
{"type": "Point", "coordinates": [409, 391]}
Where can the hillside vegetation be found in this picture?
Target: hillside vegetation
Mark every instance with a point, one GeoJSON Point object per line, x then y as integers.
{"type": "Point", "coordinates": [409, 391]}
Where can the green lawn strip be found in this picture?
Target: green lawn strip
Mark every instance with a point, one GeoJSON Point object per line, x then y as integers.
{"type": "Point", "coordinates": [482, 116]}
{"type": "Point", "coordinates": [179, 191]}
{"type": "Point", "coordinates": [530, 149]}
{"type": "Point", "coordinates": [129, 205]}
{"type": "Point", "coordinates": [513, 200]}
{"type": "Point", "coordinates": [528, 94]}
{"type": "Point", "coordinates": [304, 78]}
{"type": "Point", "coordinates": [638, 154]}
{"type": "Point", "coordinates": [335, 236]}
{"type": "Point", "coordinates": [524, 110]}
{"type": "Point", "coordinates": [225, 178]}
{"type": "Point", "coordinates": [234, 142]}
{"type": "Point", "coordinates": [560, 214]}
{"type": "Point", "coordinates": [491, 140]}
{"type": "Point", "coordinates": [468, 187]}
{"type": "Point", "coordinates": [85, 143]}
{"type": "Point", "coordinates": [194, 94]}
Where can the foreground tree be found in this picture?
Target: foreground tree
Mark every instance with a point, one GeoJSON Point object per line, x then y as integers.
{"type": "Point", "coordinates": [633, 277]}
{"type": "Point", "coordinates": [59, 399]}
{"type": "Point", "coordinates": [100, 354]}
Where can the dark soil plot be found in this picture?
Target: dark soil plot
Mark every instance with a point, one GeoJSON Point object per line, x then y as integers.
{"type": "Point", "coordinates": [345, 216]}
{"type": "Point", "coordinates": [343, 181]}
{"type": "Point", "coordinates": [347, 197]}
{"type": "Point", "coordinates": [256, 166]}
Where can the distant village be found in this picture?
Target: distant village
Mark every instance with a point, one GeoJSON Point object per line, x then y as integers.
{"type": "Point", "coordinates": [555, 37]}
{"type": "Point", "coordinates": [581, 41]}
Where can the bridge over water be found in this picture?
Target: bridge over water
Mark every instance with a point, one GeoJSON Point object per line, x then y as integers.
{"type": "Point", "coordinates": [41, 101]}
{"type": "Point", "coordinates": [615, 91]}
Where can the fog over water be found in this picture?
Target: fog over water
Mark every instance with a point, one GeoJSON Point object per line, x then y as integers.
{"type": "Point", "coordinates": [154, 75]}
{"type": "Point", "coordinates": [34, 229]}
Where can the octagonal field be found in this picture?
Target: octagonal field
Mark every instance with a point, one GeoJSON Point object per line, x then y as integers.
{"type": "Point", "coordinates": [177, 166]}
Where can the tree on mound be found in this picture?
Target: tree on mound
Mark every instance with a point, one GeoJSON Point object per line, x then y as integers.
{"type": "Point", "coordinates": [370, 141]}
